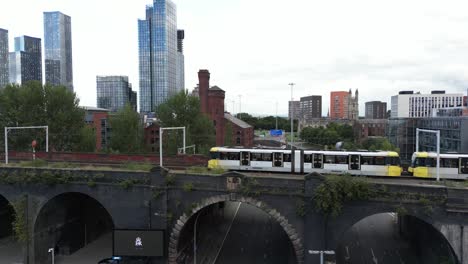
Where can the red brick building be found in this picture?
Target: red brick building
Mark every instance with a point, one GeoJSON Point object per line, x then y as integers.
{"type": "Point", "coordinates": [152, 137]}
{"type": "Point", "coordinates": [212, 104]}
{"type": "Point", "coordinates": [98, 119]}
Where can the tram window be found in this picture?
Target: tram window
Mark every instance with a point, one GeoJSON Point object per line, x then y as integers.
{"type": "Point", "coordinates": [430, 162]}
{"type": "Point", "coordinates": [277, 156]}
{"type": "Point", "coordinates": [367, 160]}
{"type": "Point", "coordinates": [233, 156]}
{"type": "Point", "coordinates": [341, 160]}
{"type": "Point", "coordinates": [256, 157]}
{"type": "Point", "coordinates": [223, 156]}
{"type": "Point", "coordinates": [393, 161]}
{"type": "Point", "coordinates": [420, 162]}
{"type": "Point", "coordinates": [214, 155]}
{"type": "Point", "coordinates": [449, 163]}
{"type": "Point", "coordinates": [464, 165]}
{"type": "Point", "coordinates": [267, 157]}
{"type": "Point", "coordinates": [329, 159]}
{"type": "Point", "coordinates": [287, 157]}
{"type": "Point", "coordinates": [308, 158]}
{"type": "Point", "coordinates": [380, 161]}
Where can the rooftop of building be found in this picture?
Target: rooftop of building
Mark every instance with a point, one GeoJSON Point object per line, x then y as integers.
{"type": "Point", "coordinates": [94, 109]}
{"type": "Point", "coordinates": [215, 88]}
{"type": "Point", "coordinates": [236, 121]}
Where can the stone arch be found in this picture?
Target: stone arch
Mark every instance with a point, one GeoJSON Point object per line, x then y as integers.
{"type": "Point", "coordinates": [287, 227]}
{"type": "Point", "coordinates": [414, 215]}
{"type": "Point", "coordinates": [64, 206]}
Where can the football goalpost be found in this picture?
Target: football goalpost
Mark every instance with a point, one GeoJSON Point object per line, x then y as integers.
{"type": "Point", "coordinates": [7, 129]}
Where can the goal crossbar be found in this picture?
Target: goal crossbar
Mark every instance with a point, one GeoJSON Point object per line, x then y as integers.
{"type": "Point", "coordinates": [7, 129]}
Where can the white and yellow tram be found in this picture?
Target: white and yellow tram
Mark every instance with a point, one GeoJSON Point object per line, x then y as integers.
{"type": "Point", "coordinates": [452, 166]}
{"type": "Point", "coordinates": [382, 163]}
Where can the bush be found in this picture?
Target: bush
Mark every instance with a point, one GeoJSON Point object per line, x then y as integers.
{"type": "Point", "coordinates": [331, 194]}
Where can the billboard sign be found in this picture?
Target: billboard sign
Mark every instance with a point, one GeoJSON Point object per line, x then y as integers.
{"type": "Point", "coordinates": [276, 132]}
{"type": "Point", "coordinates": [138, 243]}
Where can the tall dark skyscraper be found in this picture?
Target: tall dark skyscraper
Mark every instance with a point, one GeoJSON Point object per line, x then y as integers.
{"type": "Point", "coordinates": [4, 58]}
{"type": "Point", "coordinates": [158, 56]}
{"type": "Point", "coordinates": [180, 60]}
{"type": "Point", "coordinates": [114, 92]}
{"type": "Point", "coordinates": [26, 60]}
{"type": "Point", "coordinates": [58, 49]}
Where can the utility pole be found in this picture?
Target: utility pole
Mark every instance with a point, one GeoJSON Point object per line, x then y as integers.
{"type": "Point", "coordinates": [276, 115]}
{"type": "Point", "coordinates": [292, 114]}
{"type": "Point", "coordinates": [240, 106]}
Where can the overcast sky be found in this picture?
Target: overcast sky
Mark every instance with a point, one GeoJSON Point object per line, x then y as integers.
{"type": "Point", "coordinates": [254, 48]}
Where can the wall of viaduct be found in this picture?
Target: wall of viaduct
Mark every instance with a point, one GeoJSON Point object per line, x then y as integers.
{"type": "Point", "coordinates": [166, 200]}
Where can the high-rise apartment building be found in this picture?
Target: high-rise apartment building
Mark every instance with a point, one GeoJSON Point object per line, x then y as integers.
{"type": "Point", "coordinates": [58, 49]}
{"type": "Point", "coordinates": [376, 110]}
{"type": "Point", "coordinates": [410, 104]}
{"type": "Point", "coordinates": [158, 54]}
{"type": "Point", "coordinates": [114, 92]}
{"type": "Point", "coordinates": [4, 58]}
{"type": "Point", "coordinates": [310, 108]}
{"type": "Point", "coordinates": [180, 60]}
{"type": "Point", "coordinates": [294, 109]}
{"type": "Point", "coordinates": [344, 106]}
{"type": "Point", "coordinates": [26, 60]}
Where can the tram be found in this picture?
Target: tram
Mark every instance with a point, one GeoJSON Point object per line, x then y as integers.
{"type": "Point", "coordinates": [452, 166]}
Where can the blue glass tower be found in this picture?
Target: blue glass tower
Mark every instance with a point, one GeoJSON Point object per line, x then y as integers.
{"type": "Point", "coordinates": [158, 54]}
{"type": "Point", "coordinates": [58, 49]}
{"type": "Point", "coordinates": [4, 58]}
{"type": "Point", "coordinates": [26, 60]}
{"type": "Point", "coordinates": [114, 92]}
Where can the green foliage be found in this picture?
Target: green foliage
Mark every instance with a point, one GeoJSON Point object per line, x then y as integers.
{"type": "Point", "coordinates": [34, 163]}
{"type": "Point", "coordinates": [330, 135]}
{"type": "Point", "coordinates": [128, 183]}
{"type": "Point", "coordinates": [373, 144]}
{"type": "Point", "coordinates": [250, 186]}
{"type": "Point", "coordinates": [205, 170]}
{"type": "Point", "coordinates": [33, 104]}
{"type": "Point", "coordinates": [184, 110]}
{"type": "Point", "coordinates": [20, 227]}
{"type": "Point", "coordinates": [188, 187]}
{"type": "Point", "coordinates": [169, 180]}
{"type": "Point", "coordinates": [300, 208]}
{"type": "Point", "coordinates": [157, 193]}
{"type": "Point", "coordinates": [87, 141]}
{"type": "Point", "coordinates": [137, 166]}
{"type": "Point", "coordinates": [127, 131]}
{"type": "Point", "coordinates": [91, 183]}
{"type": "Point", "coordinates": [401, 210]}
{"type": "Point", "coordinates": [335, 190]}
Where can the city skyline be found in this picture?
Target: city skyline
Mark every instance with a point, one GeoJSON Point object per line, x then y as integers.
{"type": "Point", "coordinates": [422, 51]}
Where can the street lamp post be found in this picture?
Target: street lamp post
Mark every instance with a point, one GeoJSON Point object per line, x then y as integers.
{"type": "Point", "coordinates": [292, 114]}
{"type": "Point", "coordinates": [51, 251]}
{"type": "Point", "coordinates": [321, 252]}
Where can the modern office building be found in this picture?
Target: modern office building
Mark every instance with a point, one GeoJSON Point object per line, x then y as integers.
{"type": "Point", "coordinates": [180, 60]}
{"type": "Point", "coordinates": [114, 92]}
{"type": "Point", "coordinates": [158, 54]}
{"type": "Point", "coordinates": [310, 108]}
{"type": "Point", "coordinates": [4, 58]}
{"type": "Point", "coordinates": [58, 49]}
{"type": "Point", "coordinates": [410, 104]}
{"type": "Point", "coordinates": [376, 110]}
{"type": "Point", "coordinates": [453, 136]}
{"type": "Point", "coordinates": [26, 60]}
{"type": "Point", "coordinates": [294, 109]}
{"type": "Point", "coordinates": [343, 105]}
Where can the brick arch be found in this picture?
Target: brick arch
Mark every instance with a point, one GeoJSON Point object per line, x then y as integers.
{"type": "Point", "coordinates": [287, 227]}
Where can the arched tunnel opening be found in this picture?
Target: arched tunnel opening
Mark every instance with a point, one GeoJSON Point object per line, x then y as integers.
{"type": "Point", "coordinates": [77, 226]}
{"type": "Point", "coordinates": [393, 238]}
{"type": "Point", "coordinates": [234, 232]}
{"type": "Point", "coordinates": [10, 248]}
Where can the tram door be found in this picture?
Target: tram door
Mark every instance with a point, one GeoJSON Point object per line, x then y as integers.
{"type": "Point", "coordinates": [354, 162]}
{"type": "Point", "coordinates": [245, 158]}
{"type": "Point", "coordinates": [463, 166]}
{"type": "Point", "coordinates": [277, 159]}
{"type": "Point", "coordinates": [318, 161]}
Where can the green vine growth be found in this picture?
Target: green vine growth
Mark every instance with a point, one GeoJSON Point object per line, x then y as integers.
{"type": "Point", "coordinates": [20, 228]}
{"type": "Point", "coordinates": [335, 190]}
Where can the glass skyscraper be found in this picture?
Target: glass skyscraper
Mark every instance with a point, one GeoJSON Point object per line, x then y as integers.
{"type": "Point", "coordinates": [58, 49]}
{"type": "Point", "coordinates": [26, 60]}
{"type": "Point", "coordinates": [114, 92]}
{"type": "Point", "coordinates": [158, 54]}
{"type": "Point", "coordinates": [180, 60]}
{"type": "Point", "coordinates": [4, 58]}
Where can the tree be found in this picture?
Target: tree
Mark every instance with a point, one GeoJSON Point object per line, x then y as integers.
{"type": "Point", "coordinates": [184, 110]}
{"type": "Point", "coordinates": [127, 131]}
{"type": "Point", "coordinates": [87, 141]}
{"type": "Point", "coordinates": [33, 104]}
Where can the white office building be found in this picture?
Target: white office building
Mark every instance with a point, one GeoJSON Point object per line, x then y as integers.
{"type": "Point", "coordinates": [416, 105]}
